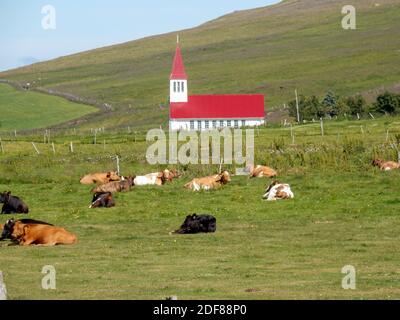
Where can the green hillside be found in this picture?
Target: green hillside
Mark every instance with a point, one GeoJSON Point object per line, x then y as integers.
{"type": "Point", "coordinates": [24, 110]}
{"type": "Point", "coordinates": [270, 50]}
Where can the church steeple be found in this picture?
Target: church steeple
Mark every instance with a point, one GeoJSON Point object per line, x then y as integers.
{"type": "Point", "coordinates": [178, 78]}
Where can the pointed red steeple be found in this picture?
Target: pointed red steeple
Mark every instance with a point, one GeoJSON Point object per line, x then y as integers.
{"type": "Point", "coordinates": [178, 68]}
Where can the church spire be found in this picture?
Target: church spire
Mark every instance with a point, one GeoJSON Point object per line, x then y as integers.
{"type": "Point", "coordinates": [178, 79]}
{"type": "Point", "coordinates": [178, 68]}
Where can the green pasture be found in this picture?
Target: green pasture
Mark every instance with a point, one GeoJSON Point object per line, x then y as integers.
{"type": "Point", "coordinates": [344, 213]}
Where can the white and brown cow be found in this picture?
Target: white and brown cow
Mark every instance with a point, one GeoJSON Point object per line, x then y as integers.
{"type": "Point", "coordinates": [278, 191]}
{"type": "Point", "coordinates": [386, 165]}
{"type": "Point", "coordinates": [156, 178]}
{"type": "Point", "coordinates": [208, 183]}
{"type": "Point", "coordinates": [262, 171]}
{"type": "Point", "coordinates": [151, 179]}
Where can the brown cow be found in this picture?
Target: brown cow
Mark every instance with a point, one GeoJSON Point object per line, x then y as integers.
{"type": "Point", "coordinates": [116, 186]}
{"type": "Point", "coordinates": [210, 182]}
{"type": "Point", "coordinates": [385, 165]}
{"type": "Point", "coordinates": [100, 178]}
{"type": "Point", "coordinates": [40, 234]}
{"type": "Point", "coordinates": [263, 171]}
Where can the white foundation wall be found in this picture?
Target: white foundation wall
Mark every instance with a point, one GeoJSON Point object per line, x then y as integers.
{"type": "Point", "coordinates": [198, 125]}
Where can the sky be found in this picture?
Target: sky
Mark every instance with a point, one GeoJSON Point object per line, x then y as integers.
{"type": "Point", "coordinates": [28, 34]}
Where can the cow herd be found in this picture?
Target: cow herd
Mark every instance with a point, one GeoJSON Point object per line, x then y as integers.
{"type": "Point", "coordinates": [27, 232]}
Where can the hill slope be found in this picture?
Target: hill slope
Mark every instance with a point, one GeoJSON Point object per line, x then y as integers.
{"type": "Point", "coordinates": [271, 50]}
{"type": "Point", "coordinates": [24, 110]}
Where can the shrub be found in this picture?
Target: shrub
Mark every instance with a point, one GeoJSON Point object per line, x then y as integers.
{"type": "Point", "coordinates": [388, 103]}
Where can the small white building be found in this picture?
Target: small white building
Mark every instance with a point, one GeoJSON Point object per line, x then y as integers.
{"type": "Point", "coordinates": [206, 112]}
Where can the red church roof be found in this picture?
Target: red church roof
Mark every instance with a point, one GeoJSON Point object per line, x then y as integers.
{"type": "Point", "coordinates": [178, 68]}
{"type": "Point", "coordinates": [244, 106]}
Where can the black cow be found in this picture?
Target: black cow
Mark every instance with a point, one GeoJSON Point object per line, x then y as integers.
{"type": "Point", "coordinates": [198, 223]}
{"type": "Point", "coordinates": [8, 227]}
{"type": "Point", "coordinates": [12, 204]}
{"type": "Point", "coordinates": [102, 200]}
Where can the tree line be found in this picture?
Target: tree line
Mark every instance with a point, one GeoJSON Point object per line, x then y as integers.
{"type": "Point", "coordinates": [333, 105]}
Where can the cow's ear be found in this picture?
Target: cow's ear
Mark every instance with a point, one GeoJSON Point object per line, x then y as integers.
{"type": "Point", "coordinates": [26, 229]}
{"type": "Point", "coordinates": [108, 174]}
{"type": "Point", "coordinates": [9, 192]}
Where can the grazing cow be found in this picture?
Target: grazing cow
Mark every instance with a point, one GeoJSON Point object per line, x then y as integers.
{"type": "Point", "coordinates": [208, 183]}
{"type": "Point", "coordinates": [386, 165]}
{"type": "Point", "coordinates": [100, 178]}
{"type": "Point", "coordinates": [197, 224]}
{"type": "Point", "coordinates": [12, 204]}
{"type": "Point", "coordinates": [151, 179]}
{"type": "Point", "coordinates": [102, 200]}
{"type": "Point", "coordinates": [278, 191]}
{"type": "Point", "coordinates": [263, 171]}
{"type": "Point", "coordinates": [116, 186]}
{"type": "Point", "coordinates": [8, 227]}
{"type": "Point", "coordinates": [41, 234]}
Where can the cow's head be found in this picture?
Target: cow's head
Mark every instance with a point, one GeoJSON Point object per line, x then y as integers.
{"type": "Point", "coordinates": [161, 177]}
{"type": "Point", "coordinates": [377, 162]}
{"type": "Point", "coordinates": [188, 222]}
{"type": "Point", "coordinates": [2, 197]}
{"type": "Point", "coordinates": [19, 230]}
{"type": "Point", "coordinates": [7, 230]}
{"type": "Point", "coordinates": [113, 176]}
{"type": "Point", "coordinates": [5, 197]}
{"type": "Point", "coordinates": [130, 180]}
{"type": "Point", "coordinates": [273, 184]}
{"type": "Point", "coordinates": [171, 174]}
{"type": "Point", "coordinates": [224, 177]}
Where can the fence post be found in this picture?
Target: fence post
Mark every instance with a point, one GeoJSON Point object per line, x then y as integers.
{"type": "Point", "coordinates": [322, 127]}
{"type": "Point", "coordinates": [54, 149]}
{"type": "Point", "coordinates": [36, 149]}
{"type": "Point", "coordinates": [71, 147]}
{"type": "Point", "coordinates": [1, 146]}
{"type": "Point", "coordinates": [3, 290]}
{"type": "Point", "coordinates": [292, 133]}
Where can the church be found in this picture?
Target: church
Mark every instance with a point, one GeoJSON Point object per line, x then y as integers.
{"type": "Point", "coordinates": [207, 112]}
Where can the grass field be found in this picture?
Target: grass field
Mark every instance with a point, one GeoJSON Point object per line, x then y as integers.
{"type": "Point", "coordinates": [24, 110]}
{"type": "Point", "coordinates": [345, 213]}
{"type": "Point", "coordinates": [271, 50]}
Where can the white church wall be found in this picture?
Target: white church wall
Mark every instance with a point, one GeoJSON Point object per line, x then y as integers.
{"type": "Point", "coordinates": [200, 125]}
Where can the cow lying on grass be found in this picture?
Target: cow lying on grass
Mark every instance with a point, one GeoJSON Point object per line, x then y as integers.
{"type": "Point", "coordinates": [263, 171]}
{"type": "Point", "coordinates": [12, 204]}
{"type": "Point", "coordinates": [6, 229]}
{"type": "Point", "coordinates": [116, 186]}
{"type": "Point", "coordinates": [26, 234]}
{"type": "Point", "coordinates": [102, 200]}
{"type": "Point", "coordinates": [278, 191]}
{"type": "Point", "coordinates": [153, 179]}
{"type": "Point", "coordinates": [208, 183]}
{"type": "Point", "coordinates": [100, 178]}
{"type": "Point", "coordinates": [197, 224]}
{"type": "Point", "coordinates": [385, 165]}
